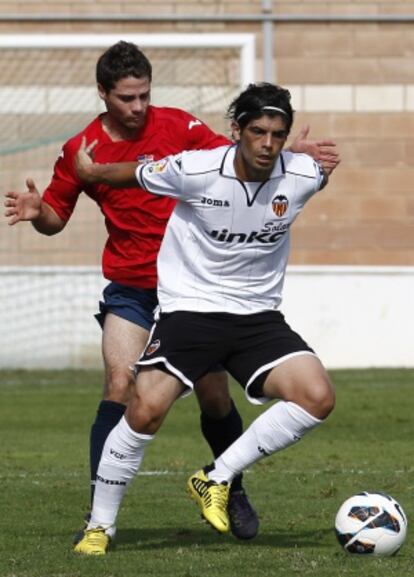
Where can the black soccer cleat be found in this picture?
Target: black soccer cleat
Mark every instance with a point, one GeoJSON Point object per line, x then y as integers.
{"type": "Point", "coordinates": [244, 522]}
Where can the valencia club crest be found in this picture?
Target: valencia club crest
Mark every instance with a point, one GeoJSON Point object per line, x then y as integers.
{"type": "Point", "coordinates": [280, 205]}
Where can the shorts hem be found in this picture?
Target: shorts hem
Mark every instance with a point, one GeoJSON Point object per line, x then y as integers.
{"type": "Point", "coordinates": [267, 368]}
{"type": "Point", "coordinates": [189, 385]}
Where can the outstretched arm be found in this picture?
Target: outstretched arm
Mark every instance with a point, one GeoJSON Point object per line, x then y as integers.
{"type": "Point", "coordinates": [119, 175]}
{"type": "Point", "coordinates": [29, 206]}
{"type": "Point", "coordinates": [323, 151]}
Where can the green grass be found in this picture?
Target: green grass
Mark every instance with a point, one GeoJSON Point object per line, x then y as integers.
{"type": "Point", "coordinates": [366, 444]}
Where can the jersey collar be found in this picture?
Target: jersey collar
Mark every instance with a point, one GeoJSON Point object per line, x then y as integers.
{"type": "Point", "coordinates": [227, 165]}
{"type": "Point", "coordinates": [148, 128]}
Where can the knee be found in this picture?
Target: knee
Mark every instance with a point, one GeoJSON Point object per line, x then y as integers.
{"type": "Point", "coordinates": [119, 383]}
{"type": "Point", "coordinates": [327, 404]}
{"type": "Point", "coordinates": [144, 415]}
{"type": "Point", "coordinates": [321, 400]}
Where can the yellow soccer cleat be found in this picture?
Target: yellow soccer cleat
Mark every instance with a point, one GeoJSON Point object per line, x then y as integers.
{"type": "Point", "coordinates": [81, 533]}
{"type": "Point", "coordinates": [212, 498]}
{"type": "Point", "coordinates": [94, 542]}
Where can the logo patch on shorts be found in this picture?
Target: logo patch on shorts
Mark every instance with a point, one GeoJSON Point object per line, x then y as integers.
{"type": "Point", "coordinates": [152, 347]}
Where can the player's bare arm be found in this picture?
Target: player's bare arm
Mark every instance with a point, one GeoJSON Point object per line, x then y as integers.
{"type": "Point", "coordinates": [28, 206]}
{"type": "Point", "coordinates": [323, 151]}
{"type": "Point", "coordinates": [117, 175]}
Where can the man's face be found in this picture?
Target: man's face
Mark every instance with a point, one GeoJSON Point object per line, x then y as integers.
{"type": "Point", "coordinates": [260, 143]}
{"type": "Point", "coordinates": [127, 102]}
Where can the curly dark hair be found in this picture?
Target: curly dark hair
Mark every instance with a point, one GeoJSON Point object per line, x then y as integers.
{"type": "Point", "coordinates": [259, 99]}
{"type": "Point", "coordinates": [119, 61]}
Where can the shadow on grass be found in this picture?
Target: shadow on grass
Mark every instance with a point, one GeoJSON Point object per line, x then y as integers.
{"type": "Point", "coordinates": [161, 538]}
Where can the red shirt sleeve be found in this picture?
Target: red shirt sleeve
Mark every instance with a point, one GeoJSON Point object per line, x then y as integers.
{"type": "Point", "coordinates": [63, 190]}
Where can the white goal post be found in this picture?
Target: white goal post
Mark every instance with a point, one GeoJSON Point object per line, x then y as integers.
{"type": "Point", "coordinates": [245, 42]}
{"type": "Point", "coordinates": [54, 75]}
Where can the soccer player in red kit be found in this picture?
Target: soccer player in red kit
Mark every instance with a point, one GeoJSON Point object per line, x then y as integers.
{"type": "Point", "coordinates": [132, 129]}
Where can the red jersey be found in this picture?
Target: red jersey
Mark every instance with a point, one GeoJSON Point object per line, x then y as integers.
{"type": "Point", "coordinates": [135, 219]}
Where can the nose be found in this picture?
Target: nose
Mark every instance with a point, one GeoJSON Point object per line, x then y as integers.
{"type": "Point", "coordinates": [267, 140]}
{"type": "Point", "coordinates": [137, 106]}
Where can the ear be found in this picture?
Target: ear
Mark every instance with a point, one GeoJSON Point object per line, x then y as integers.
{"type": "Point", "coordinates": [235, 131]}
{"type": "Point", "coordinates": [102, 92]}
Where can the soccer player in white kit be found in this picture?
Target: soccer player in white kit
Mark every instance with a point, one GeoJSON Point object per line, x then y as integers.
{"type": "Point", "coordinates": [221, 269]}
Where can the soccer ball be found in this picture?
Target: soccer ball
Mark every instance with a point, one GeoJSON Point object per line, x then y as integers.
{"type": "Point", "coordinates": [371, 524]}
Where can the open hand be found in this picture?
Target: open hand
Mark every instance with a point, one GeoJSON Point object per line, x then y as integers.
{"type": "Point", "coordinates": [23, 205]}
{"type": "Point", "coordinates": [323, 151]}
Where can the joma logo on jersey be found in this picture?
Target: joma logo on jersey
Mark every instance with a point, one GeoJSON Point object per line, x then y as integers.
{"type": "Point", "coordinates": [262, 236]}
{"type": "Point", "coordinates": [214, 201]}
{"type": "Point", "coordinates": [280, 205]}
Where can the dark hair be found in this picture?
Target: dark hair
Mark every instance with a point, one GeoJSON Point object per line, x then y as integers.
{"type": "Point", "coordinates": [259, 99]}
{"type": "Point", "coordinates": [119, 61]}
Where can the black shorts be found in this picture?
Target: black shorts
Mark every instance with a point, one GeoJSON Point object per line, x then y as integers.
{"type": "Point", "coordinates": [189, 344]}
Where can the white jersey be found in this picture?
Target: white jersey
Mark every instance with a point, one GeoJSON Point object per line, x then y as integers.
{"type": "Point", "coordinates": [226, 245]}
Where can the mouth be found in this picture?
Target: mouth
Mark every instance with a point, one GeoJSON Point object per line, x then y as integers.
{"type": "Point", "coordinates": [136, 119]}
{"type": "Point", "coordinates": [264, 160]}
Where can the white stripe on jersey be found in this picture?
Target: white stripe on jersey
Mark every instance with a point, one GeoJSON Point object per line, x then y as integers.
{"type": "Point", "coordinates": [226, 245]}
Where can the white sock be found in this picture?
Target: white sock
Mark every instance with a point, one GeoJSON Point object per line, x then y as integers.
{"type": "Point", "coordinates": [121, 458]}
{"type": "Point", "coordinates": [277, 428]}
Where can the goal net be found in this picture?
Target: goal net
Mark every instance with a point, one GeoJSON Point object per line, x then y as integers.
{"type": "Point", "coordinates": [50, 285]}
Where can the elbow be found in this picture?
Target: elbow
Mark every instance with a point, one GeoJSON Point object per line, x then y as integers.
{"type": "Point", "coordinates": [47, 230]}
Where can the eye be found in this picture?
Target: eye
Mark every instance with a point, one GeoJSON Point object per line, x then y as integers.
{"type": "Point", "coordinates": [280, 134]}
{"type": "Point", "coordinates": [126, 98]}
